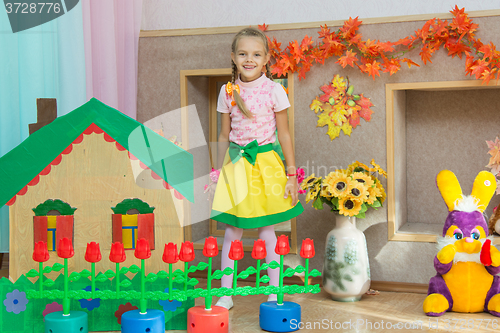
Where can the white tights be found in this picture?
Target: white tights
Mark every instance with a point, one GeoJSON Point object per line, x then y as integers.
{"type": "Point", "coordinates": [265, 233]}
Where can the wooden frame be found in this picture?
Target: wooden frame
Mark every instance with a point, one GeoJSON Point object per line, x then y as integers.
{"type": "Point", "coordinates": [213, 75]}
{"type": "Point", "coordinates": [392, 92]}
{"type": "Point", "coordinates": [309, 25]}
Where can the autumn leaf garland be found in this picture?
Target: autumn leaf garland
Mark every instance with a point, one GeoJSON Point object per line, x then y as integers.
{"type": "Point", "coordinates": [373, 57]}
{"type": "Point", "coordinates": [340, 108]}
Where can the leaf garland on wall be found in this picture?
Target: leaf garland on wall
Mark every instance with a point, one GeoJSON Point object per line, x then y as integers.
{"type": "Point", "coordinates": [340, 108]}
{"type": "Point", "coordinates": [373, 57]}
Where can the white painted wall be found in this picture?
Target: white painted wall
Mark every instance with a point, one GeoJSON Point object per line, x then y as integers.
{"type": "Point", "coordinates": [187, 14]}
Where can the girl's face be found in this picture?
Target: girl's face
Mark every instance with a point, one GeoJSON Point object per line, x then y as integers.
{"type": "Point", "coordinates": [250, 57]}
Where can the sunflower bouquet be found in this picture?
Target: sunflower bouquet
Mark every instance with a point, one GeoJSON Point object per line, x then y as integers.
{"type": "Point", "coordinates": [347, 191]}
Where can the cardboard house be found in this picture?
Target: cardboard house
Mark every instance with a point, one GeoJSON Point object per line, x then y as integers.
{"type": "Point", "coordinates": [98, 175]}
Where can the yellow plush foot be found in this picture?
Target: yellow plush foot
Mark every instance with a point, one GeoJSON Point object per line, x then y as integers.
{"type": "Point", "coordinates": [435, 305]}
{"type": "Point", "coordinates": [494, 304]}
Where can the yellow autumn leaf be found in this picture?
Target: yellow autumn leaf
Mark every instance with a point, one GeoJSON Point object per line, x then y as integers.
{"type": "Point", "coordinates": [339, 83]}
{"type": "Point", "coordinates": [333, 131]}
{"type": "Point", "coordinates": [338, 118]}
{"type": "Point", "coordinates": [316, 105]}
{"type": "Point", "coordinates": [323, 119]}
{"type": "Point", "coordinates": [346, 128]}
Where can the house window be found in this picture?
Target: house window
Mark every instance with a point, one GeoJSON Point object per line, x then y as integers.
{"type": "Point", "coordinates": [53, 221]}
{"type": "Point", "coordinates": [133, 219]}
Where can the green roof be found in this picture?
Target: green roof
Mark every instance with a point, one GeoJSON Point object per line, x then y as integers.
{"type": "Point", "coordinates": [23, 163]}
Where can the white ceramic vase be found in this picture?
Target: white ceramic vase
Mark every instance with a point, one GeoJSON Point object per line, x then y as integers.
{"type": "Point", "coordinates": [346, 271]}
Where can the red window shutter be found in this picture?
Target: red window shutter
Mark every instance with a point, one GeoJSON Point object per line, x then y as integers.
{"type": "Point", "coordinates": [40, 228]}
{"type": "Point", "coordinates": [117, 228]}
{"type": "Point", "coordinates": [64, 228]}
{"type": "Point", "coordinates": [146, 228]}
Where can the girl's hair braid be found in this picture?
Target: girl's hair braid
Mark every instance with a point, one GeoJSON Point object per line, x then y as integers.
{"type": "Point", "coordinates": [247, 32]}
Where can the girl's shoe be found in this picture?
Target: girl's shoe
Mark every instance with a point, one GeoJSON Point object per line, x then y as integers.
{"type": "Point", "coordinates": [225, 303]}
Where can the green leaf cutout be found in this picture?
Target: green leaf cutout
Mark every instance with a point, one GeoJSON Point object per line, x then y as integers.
{"type": "Point", "coordinates": [57, 267]}
{"type": "Point", "coordinates": [48, 283]}
{"type": "Point", "coordinates": [192, 282]}
{"type": "Point", "coordinates": [101, 277]}
{"type": "Point", "coordinates": [289, 272]}
{"type": "Point", "coordinates": [217, 274]}
{"type": "Point", "coordinates": [243, 275]}
{"type": "Point", "coordinates": [124, 270]}
{"type": "Point", "coordinates": [274, 265]}
{"type": "Point", "coordinates": [300, 269]}
{"type": "Point", "coordinates": [75, 276]}
{"type": "Point", "coordinates": [85, 273]}
{"type": "Point", "coordinates": [110, 274]}
{"type": "Point", "coordinates": [32, 273]}
{"type": "Point", "coordinates": [125, 283]}
{"type": "Point", "coordinates": [164, 275]}
{"type": "Point", "coordinates": [201, 266]}
{"type": "Point", "coordinates": [315, 273]}
{"type": "Point", "coordinates": [47, 269]}
{"type": "Point", "coordinates": [134, 269]}
{"type": "Point", "coordinates": [265, 279]}
{"type": "Point", "coordinates": [151, 277]}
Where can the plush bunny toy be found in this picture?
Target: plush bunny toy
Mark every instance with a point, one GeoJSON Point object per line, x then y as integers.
{"type": "Point", "coordinates": [466, 263]}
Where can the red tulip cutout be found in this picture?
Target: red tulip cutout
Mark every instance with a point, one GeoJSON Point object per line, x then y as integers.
{"type": "Point", "coordinates": [187, 252]}
{"type": "Point", "coordinates": [282, 245]}
{"type": "Point", "coordinates": [259, 249]}
{"type": "Point", "coordinates": [117, 253]}
{"type": "Point", "coordinates": [65, 248]}
{"type": "Point", "coordinates": [142, 249]}
{"type": "Point", "coordinates": [40, 253]}
{"type": "Point", "coordinates": [236, 250]}
{"type": "Point", "coordinates": [170, 255]}
{"type": "Point", "coordinates": [93, 253]}
{"type": "Point", "coordinates": [211, 249]}
{"type": "Point", "coordinates": [307, 249]}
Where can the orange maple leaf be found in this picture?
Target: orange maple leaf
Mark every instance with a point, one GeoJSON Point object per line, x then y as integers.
{"type": "Point", "coordinates": [364, 102]}
{"type": "Point", "coordinates": [306, 66]}
{"type": "Point", "coordinates": [487, 75]}
{"type": "Point", "coordinates": [325, 31]}
{"type": "Point", "coordinates": [305, 43]}
{"type": "Point", "coordinates": [410, 62]}
{"type": "Point", "coordinates": [350, 27]}
{"type": "Point", "coordinates": [439, 28]}
{"type": "Point", "coordinates": [277, 69]}
{"type": "Point", "coordinates": [392, 66]}
{"type": "Point", "coordinates": [425, 54]}
{"type": "Point", "coordinates": [263, 27]}
{"type": "Point", "coordinates": [295, 51]}
{"type": "Point", "coordinates": [366, 114]}
{"type": "Point", "coordinates": [457, 49]}
{"type": "Point", "coordinates": [479, 67]}
{"type": "Point", "coordinates": [469, 62]}
{"type": "Point", "coordinates": [373, 68]}
{"type": "Point", "coordinates": [348, 59]}
{"type": "Point", "coordinates": [489, 51]}
{"type": "Point", "coordinates": [318, 55]}
{"type": "Point", "coordinates": [274, 45]}
{"type": "Point", "coordinates": [354, 119]}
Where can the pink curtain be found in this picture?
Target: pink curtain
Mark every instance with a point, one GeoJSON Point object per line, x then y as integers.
{"type": "Point", "coordinates": [111, 35]}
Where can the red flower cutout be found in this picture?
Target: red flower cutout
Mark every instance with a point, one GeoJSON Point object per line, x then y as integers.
{"type": "Point", "coordinates": [40, 253]}
{"type": "Point", "coordinates": [282, 245]}
{"type": "Point", "coordinates": [117, 253]}
{"type": "Point", "coordinates": [259, 249]}
{"type": "Point", "coordinates": [307, 249]}
{"type": "Point", "coordinates": [142, 249]}
{"type": "Point", "coordinates": [187, 252]}
{"type": "Point", "coordinates": [122, 308]}
{"type": "Point", "coordinates": [211, 249]}
{"type": "Point", "coordinates": [236, 250]}
{"type": "Point", "coordinates": [65, 248]}
{"type": "Point", "coordinates": [170, 255]}
{"type": "Point", "coordinates": [93, 253]}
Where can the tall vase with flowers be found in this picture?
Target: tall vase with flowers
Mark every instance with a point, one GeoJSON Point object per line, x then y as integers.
{"type": "Point", "coordinates": [349, 193]}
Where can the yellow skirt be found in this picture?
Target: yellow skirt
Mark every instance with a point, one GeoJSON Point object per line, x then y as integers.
{"type": "Point", "coordinates": [252, 196]}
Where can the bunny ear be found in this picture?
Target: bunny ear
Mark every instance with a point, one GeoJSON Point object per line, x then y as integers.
{"type": "Point", "coordinates": [449, 187]}
{"type": "Point", "coordinates": [483, 189]}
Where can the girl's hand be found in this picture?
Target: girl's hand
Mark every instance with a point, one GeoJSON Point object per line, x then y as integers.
{"type": "Point", "coordinates": [292, 188]}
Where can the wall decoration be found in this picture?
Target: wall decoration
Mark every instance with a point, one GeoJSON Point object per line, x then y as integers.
{"type": "Point", "coordinates": [340, 108]}
{"type": "Point", "coordinates": [371, 57]}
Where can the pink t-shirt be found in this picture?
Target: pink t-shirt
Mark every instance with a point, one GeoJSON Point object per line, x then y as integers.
{"type": "Point", "coordinates": [262, 97]}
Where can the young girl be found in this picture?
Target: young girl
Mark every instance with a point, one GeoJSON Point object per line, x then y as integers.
{"type": "Point", "coordinates": [253, 190]}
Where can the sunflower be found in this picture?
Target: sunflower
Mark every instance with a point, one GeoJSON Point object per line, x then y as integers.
{"type": "Point", "coordinates": [358, 191]}
{"type": "Point", "coordinates": [362, 177]}
{"type": "Point", "coordinates": [378, 169]}
{"type": "Point", "coordinates": [313, 192]}
{"type": "Point", "coordinates": [309, 182]}
{"type": "Point", "coordinates": [359, 165]}
{"type": "Point", "coordinates": [339, 183]}
{"type": "Point", "coordinates": [349, 206]}
{"type": "Point", "coordinates": [373, 193]}
{"type": "Point", "coordinates": [382, 191]}
{"type": "Point", "coordinates": [326, 192]}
